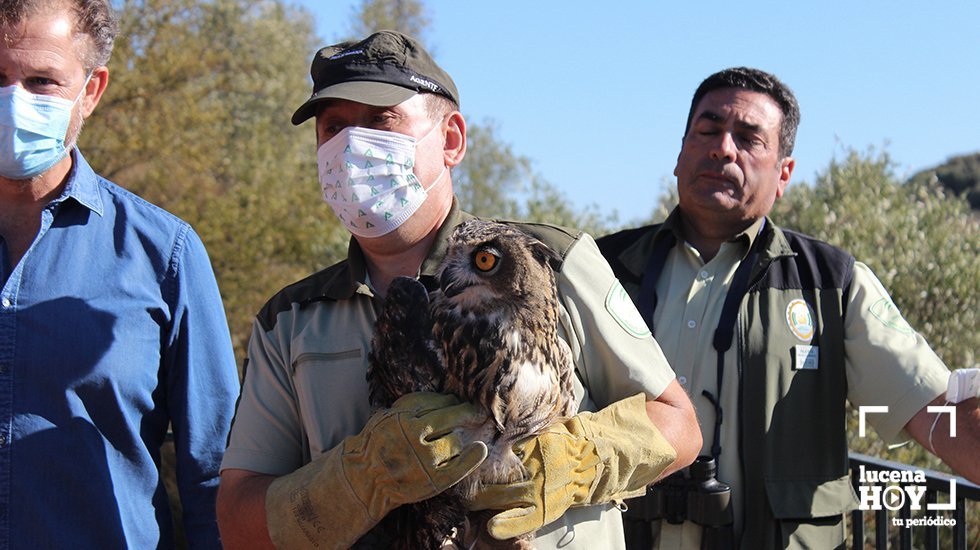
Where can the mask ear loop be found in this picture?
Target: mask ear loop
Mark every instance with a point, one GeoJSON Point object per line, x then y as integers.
{"type": "Point", "coordinates": [436, 181]}
{"type": "Point", "coordinates": [429, 133]}
{"type": "Point", "coordinates": [438, 178]}
{"type": "Point", "coordinates": [73, 103]}
{"type": "Point", "coordinates": [82, 91]}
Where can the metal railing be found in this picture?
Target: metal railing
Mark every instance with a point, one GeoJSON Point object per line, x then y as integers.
{"type": "Point", "coordinates": [936, 484]}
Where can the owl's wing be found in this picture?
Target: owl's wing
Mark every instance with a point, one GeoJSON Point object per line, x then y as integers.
{"type": "Point", "coordinates": [402, 358]}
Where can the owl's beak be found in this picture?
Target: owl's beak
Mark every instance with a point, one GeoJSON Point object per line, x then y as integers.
{"type": "Point", "coordinates": [449, 290]}
{"type": "Point", "coordinates": [450, 286]}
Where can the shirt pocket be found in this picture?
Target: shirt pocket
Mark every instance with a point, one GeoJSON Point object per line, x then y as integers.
{"type": "Point", "coordinates": [332, 396]}
{"type": "Point", "coordinates": [809, 511]}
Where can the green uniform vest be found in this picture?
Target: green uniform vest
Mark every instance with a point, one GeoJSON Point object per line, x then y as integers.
{"type": "Point", "coordinates": [792, 433]}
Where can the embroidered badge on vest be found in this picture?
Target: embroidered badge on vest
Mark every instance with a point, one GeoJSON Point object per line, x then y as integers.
{"type": "Point", "coordinates": [800, 320]}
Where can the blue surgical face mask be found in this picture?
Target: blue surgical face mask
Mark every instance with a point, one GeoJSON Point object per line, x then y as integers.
{"type": "Point", "coordinates": [32, 131]}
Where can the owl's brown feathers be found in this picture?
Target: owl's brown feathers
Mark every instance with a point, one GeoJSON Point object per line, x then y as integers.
{"type": "Point", "coordinates": [490, 336]}
{"type": "Point", "coordinates": [496, 320]}
{"type": "Point", "coordinates": [403, 357]}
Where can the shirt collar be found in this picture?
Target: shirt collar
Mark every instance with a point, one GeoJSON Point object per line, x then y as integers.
{"type": "Point", "coordinates": [747, 236]}
{"type": "Point", "coordinates": [635, 257]}
{"type": "Point", "coordinates": [83, 184]}
{"type": "Point", "coordinates": [750, 234]}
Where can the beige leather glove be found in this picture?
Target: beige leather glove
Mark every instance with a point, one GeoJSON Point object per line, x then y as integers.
{"type": "Point", "coordinates": [590, 459]}
{"type": "Point", "coordinates": [404, 454]}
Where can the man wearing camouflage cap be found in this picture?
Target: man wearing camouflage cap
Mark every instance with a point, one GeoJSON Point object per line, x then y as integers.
{"type": "Point", "coordinates": [308, 465]}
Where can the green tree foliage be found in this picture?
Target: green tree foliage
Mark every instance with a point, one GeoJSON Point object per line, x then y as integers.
{"type": "Point", "coordinates": [665, 205]}
{"type": "Point", "coordinates": [547, 204]}
{"type": "Point", "coordinates": [960, 175]}
{"type": "Point", "coordinates": [196, 119]}
{"type": "Point", "coordinates": [920, 243]}
{"type": "Point", "coordinates": [408, 16]}
{"type": "Point", "coordinates": [494, 181]}
{"type": "Point", "coordinates": [490, 174]}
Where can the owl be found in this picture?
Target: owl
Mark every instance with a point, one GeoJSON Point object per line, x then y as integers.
{"type": "Point", "coordinates": [489, 335]}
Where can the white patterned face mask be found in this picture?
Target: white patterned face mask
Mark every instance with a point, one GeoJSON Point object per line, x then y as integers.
{"type": "Point", "coordinates": [367, 179]}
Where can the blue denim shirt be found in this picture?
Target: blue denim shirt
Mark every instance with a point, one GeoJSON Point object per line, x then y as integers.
{"type": "Point", "coordinates": [111, 329]}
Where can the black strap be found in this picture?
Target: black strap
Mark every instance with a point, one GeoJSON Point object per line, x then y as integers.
{"type": "Point", "coordinates": [716, 403]}
{"type": "Point", "coordinates": [655, 266]}
{"type": "Point", "coordinates": [725, 332]}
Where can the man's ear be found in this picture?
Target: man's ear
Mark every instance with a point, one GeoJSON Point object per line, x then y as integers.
{"type": "Point", "coordinates": [94, 89]}
{"type": "Point", "coordinates": [455, 146]}
{"type": "Point", "coordinates": [785, 173]}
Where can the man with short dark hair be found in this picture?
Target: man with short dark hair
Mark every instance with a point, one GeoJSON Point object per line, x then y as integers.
{"type": "Point", "coordinates": [111, 325]}
{"type": "Point", "coordinates": [308, 464]}
{"type": "Point", "coordinates": [771, 332]}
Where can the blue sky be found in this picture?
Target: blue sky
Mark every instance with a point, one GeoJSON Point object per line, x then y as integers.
{"type": "Point", "coordinates": [597, 93]}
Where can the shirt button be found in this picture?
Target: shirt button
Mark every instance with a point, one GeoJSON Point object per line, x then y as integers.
{"type": "Point", "coordinates": [5, 302]}
{"type": "Point", "coordinates": [691, 324]}
{"type": "Point", "coordinates": [682, 380]}
{"type": "Point", "coordinates": [3, 440]}
{"type": "Point", "coordinates": [703, 275]}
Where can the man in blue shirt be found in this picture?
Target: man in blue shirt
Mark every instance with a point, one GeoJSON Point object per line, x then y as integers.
{"type": "Point", "coordinates": [111, 325]}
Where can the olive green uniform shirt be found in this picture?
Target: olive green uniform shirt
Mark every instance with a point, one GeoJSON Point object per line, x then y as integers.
{"type": "Point", "coordinates": [304, 389]}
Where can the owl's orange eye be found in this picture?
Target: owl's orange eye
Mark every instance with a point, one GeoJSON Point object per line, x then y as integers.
{"type": "Point", "coordinates": [484, 260]}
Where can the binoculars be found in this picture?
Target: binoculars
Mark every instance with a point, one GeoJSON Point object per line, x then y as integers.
{"type": "Point", "coordinates": [695, 496]}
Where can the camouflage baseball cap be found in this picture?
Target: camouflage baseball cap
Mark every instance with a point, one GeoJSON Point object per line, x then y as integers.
{"type": "Point", "coordinates": [384, 69]}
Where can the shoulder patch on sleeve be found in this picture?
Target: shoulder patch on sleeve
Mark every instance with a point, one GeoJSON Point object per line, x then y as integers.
{"type": "Point", "coordinates": [886, 312]}
{"type": "Point", "coordinates": [622, 309]}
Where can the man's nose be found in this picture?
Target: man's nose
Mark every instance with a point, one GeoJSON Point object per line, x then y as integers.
{"type": "Point", "coordinates": [724, 147]}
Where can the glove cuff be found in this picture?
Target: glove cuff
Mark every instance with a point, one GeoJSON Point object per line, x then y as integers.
{"type": "Point", "coordinates": [304, 509]}
{"type": "Point", "coordinates": [631, 449]}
